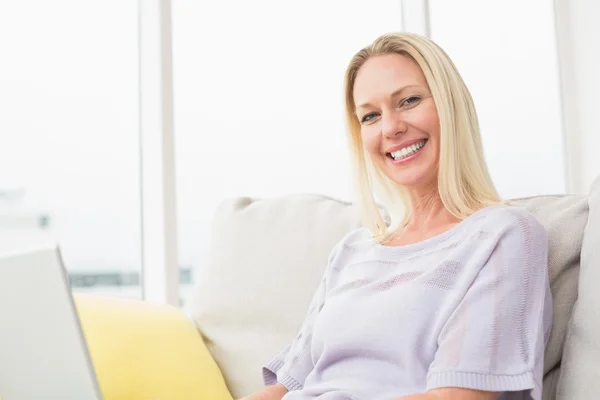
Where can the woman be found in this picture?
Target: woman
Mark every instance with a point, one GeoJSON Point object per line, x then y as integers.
{"type": "Point", "coordinates": [451, 300]}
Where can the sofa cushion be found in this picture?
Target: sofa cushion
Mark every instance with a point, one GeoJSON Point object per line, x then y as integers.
{"type": "Point", "coordinates": [266, 259]}
{"type": "Point", "coordinates": [143, 351]}
{"type": "Point", "coordinates": [580, 377]}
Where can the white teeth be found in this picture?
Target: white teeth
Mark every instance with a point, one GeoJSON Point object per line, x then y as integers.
{"type": "Point", "coordinates": [405, 152]}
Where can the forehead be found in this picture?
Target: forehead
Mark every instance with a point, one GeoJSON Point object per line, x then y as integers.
{"type": "Point", "coordinates": [383, 75]}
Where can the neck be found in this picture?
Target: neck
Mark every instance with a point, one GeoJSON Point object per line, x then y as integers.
{"type": "Point", "coordinates": [427, 209]}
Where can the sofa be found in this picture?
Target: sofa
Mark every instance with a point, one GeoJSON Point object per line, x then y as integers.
{"type": "Point", "coordinates": [266, 258]}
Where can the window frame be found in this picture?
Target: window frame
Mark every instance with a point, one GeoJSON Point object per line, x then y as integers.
{"type": "Point", "coordinates": [160, 266]}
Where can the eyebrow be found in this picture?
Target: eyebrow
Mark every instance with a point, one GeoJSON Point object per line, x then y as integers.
{"type": "Point", "coordinates": [394, 94]}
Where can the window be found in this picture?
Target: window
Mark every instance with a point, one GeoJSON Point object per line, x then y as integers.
{"type": "Point", "coordinates": [507, 54]}
{"type": "Point", "coordinates": [258, 94]}
{"type": "Point", "coordinates": [69, 159]}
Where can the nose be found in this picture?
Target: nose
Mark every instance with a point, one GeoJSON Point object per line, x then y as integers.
{"type": "Point", "coordinates": [392, 124]}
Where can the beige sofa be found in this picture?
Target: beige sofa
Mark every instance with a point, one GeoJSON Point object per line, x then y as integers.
{"type": "Point", "coordinates": [267, 257]}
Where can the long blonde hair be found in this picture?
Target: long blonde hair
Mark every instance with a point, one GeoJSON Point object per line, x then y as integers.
{"type": "Point", "coordinates": [464, 183]}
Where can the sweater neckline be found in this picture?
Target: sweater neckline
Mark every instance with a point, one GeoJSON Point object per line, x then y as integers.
{"type": "Point", "coordinates": [439, 238]}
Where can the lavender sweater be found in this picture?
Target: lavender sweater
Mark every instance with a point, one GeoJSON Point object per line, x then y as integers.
{"type": "Point", "coordinates": [468, 308]}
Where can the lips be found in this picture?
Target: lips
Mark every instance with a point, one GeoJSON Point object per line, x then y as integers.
{"type": "Point", "coordinates": [406, 150]}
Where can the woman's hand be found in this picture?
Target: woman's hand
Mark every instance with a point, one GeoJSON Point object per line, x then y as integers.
{"type": "Point", "coordinates": [453, 394]}
{"type": "Point", "coordinates": [273, 392]}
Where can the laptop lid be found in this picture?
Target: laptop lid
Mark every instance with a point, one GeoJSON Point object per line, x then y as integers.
{"type": "Point", "coordinates": [43, 353]}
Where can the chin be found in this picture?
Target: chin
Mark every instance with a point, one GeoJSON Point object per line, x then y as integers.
{"type": "Point", "coordinates": [410, 179]}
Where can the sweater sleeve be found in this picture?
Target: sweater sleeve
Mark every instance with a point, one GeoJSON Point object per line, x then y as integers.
{"type": "Point", "coordinates": [293, 364]}
{"type": "Point", "coordinates": [495, 339]}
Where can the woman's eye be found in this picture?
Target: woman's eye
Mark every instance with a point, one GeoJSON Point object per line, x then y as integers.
{"type": "Point", "coordinates": [411, 101]}
{"type": "Point", "coordinates": [368, 117]}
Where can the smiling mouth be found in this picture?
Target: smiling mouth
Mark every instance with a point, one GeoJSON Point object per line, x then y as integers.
{"type": "Point", "coordinates": [407, 151]}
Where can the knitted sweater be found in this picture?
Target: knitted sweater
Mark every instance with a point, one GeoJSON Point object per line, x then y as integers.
{"type": "Point", "coordinates": [468, 308]}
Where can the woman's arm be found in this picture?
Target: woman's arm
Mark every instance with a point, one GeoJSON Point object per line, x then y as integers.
{"type": "Point", "coordinates": [453, 394]}
{"type": "Point", "coordinates": [273, 392]}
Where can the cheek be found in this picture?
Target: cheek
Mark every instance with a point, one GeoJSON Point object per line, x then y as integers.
{"type": "Point", "coordinates": [434, 128]}
{"type": "Point", "coordinates": [371, 139]}
{"type": "Point", "coordinates": [425, 119]}
{"type": "Point", "coordinates": [432, 122]}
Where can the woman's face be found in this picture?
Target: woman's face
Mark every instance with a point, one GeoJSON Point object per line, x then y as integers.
{"type": "Point", "coordinates": [400, 128]}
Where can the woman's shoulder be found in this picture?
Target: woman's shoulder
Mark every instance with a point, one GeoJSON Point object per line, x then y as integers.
{"type": "Point", "coordinates": [356, 238]}
{"type": "Point", "coordinates": [354, 241]}
{"type": "Point", "coordinates": [509, 214]}
{"type": "Point", "coordinates": [511, 222]}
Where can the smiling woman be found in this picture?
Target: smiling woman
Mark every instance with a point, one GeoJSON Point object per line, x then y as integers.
{"type": "Point", "coordinates": [452, 299]}
{"type": "Point", "coordinates": [395, 104]}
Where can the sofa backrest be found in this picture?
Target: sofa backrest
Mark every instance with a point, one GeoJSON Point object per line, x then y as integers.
{"type": "Point", "coordinates": [267, 257]}
{"type": "Point", "coordinates": [580, 375]}
{"type": "Point", "coordinates": [565, 218]}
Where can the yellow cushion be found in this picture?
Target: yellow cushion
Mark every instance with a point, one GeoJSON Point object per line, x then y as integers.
{"type": "Point", "coordinates": [145, 351]}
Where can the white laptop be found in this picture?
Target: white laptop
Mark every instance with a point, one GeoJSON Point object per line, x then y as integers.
{"type": "Point", "coordinates": [43, 353]}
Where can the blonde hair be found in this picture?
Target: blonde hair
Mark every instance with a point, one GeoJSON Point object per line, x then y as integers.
{"type": "Point", "coordinates": [464, 183]}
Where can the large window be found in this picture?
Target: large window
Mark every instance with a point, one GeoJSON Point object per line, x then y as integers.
{"type": "Point", "coordinates": [69, 153]}
{"type": "Point", "coordinates": [259, 101]}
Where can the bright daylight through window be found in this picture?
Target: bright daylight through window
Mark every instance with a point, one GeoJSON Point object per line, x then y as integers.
{"type": "Point", "coordinates": [69, 159]}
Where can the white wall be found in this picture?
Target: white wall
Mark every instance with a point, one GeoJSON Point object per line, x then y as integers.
{"type": "Point", "coordinates": [579, 31]}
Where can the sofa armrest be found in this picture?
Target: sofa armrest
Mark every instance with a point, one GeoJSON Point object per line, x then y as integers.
{"type": "Point", "coordinates": [145, 351]}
